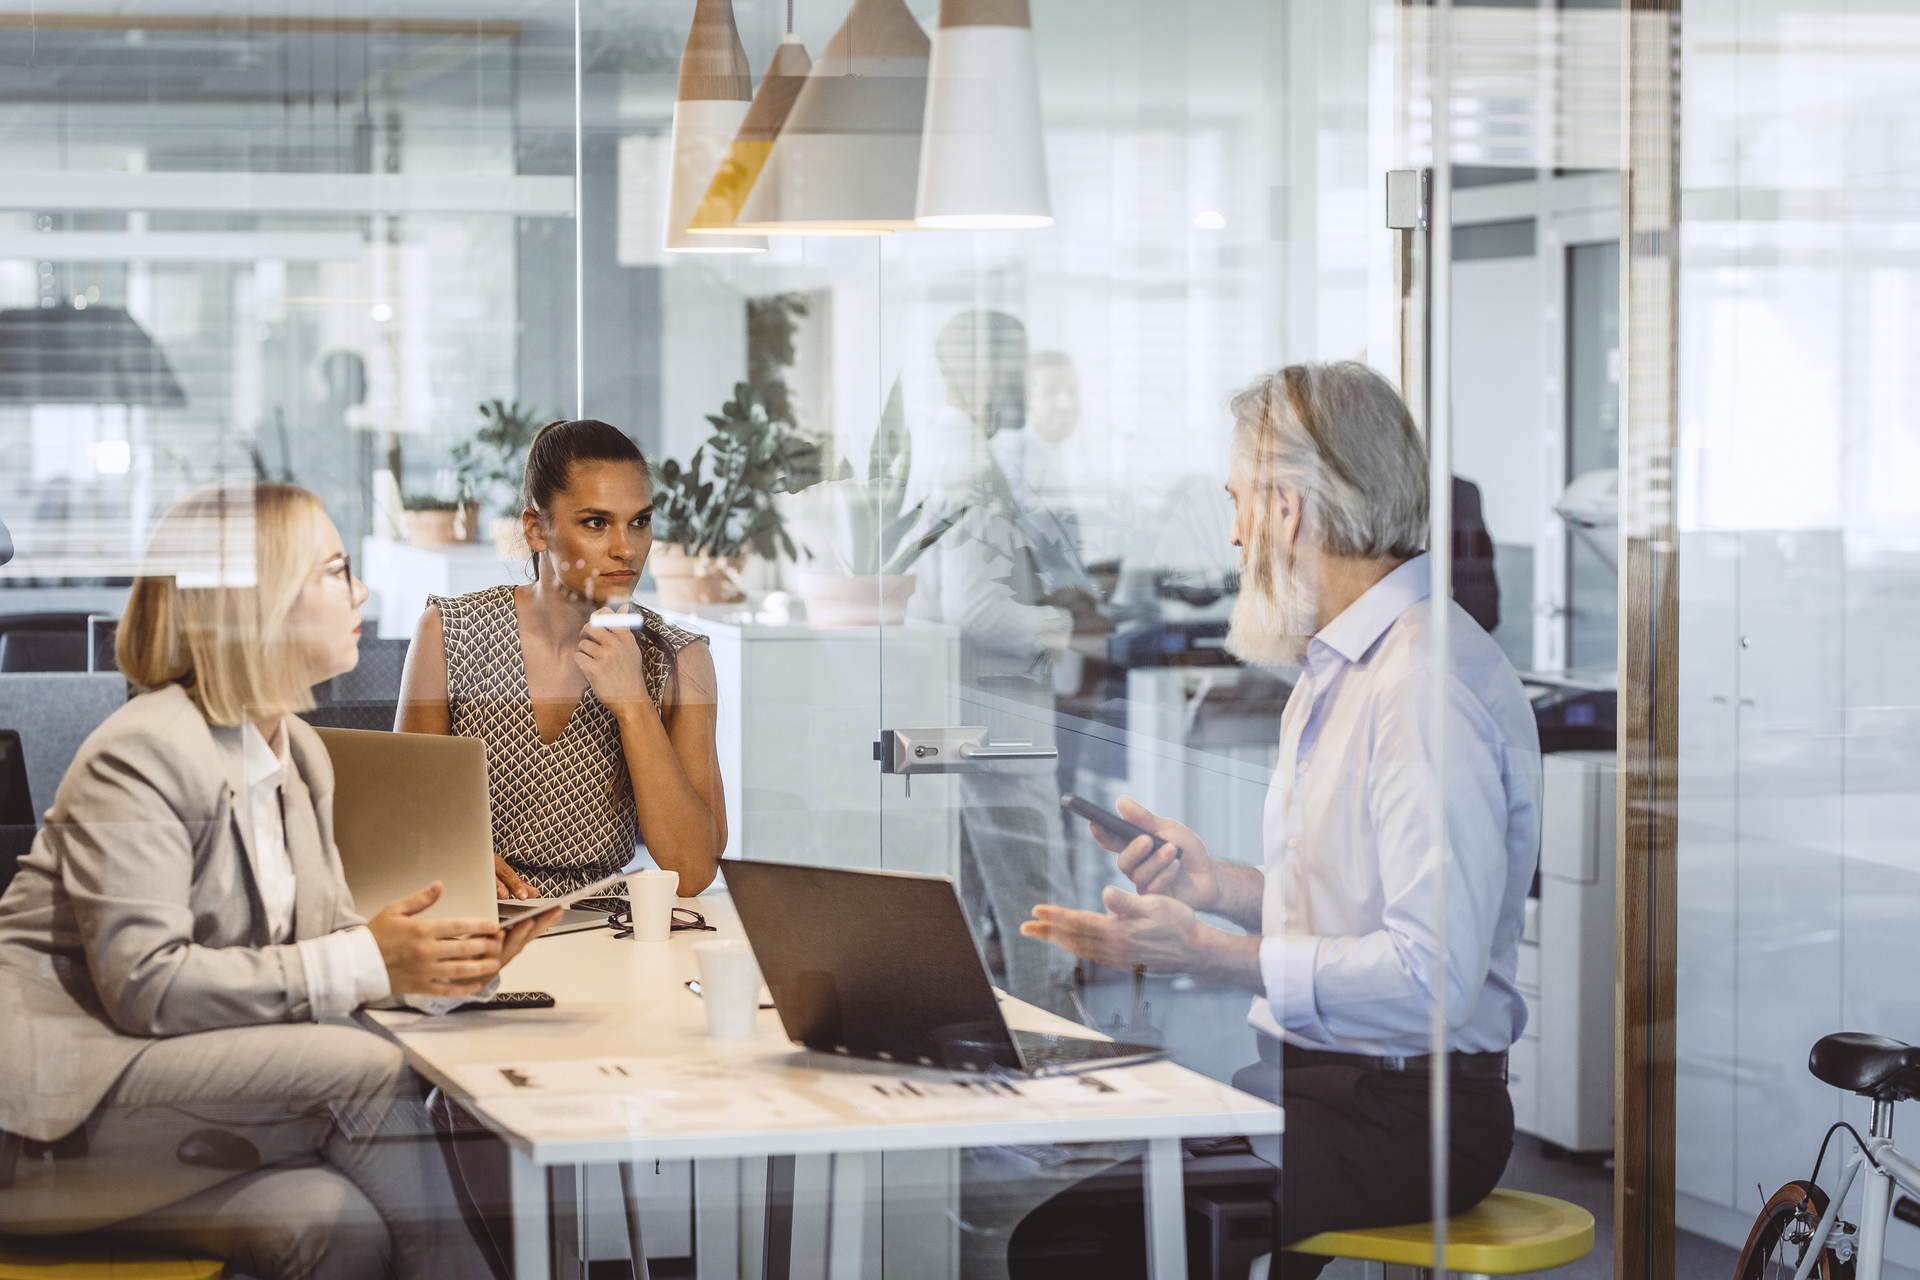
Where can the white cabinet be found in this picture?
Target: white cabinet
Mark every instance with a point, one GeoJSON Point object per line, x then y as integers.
{"type": "Point", "coordinates": [1562, 1069]}
{"type": "Point", "coordinates": [800, 710]}
{"type": "Point", "coordinates": [401, 577]}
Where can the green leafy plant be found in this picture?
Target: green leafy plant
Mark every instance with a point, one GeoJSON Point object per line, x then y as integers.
{"type": "Point", "coordinates": [722, 502]}
{"type": "Point", "coordinates": [772, 323]}
{"type": "Point", "coordinates": [488, 466]}
{"type": "Point", "coordinates": [874, 531]}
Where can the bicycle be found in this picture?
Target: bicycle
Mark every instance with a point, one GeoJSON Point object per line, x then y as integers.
{"type": "Point", "coordinates": [1799, 1228]}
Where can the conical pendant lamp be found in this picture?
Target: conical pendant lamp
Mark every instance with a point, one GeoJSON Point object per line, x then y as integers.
{"type": "Point", "coordinates": [732, 182]}
{"type": "Point", "coordinates": [715, 87]}
{"type": "Point", "coordinates": [982, 165]}
{"type": "Point", "coordinates": [846, 160]}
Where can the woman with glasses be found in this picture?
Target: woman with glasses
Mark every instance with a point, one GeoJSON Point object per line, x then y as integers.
{"type": "Point", "coordinates": [177, 951]}
{"type": "Point", "coordinates": [598, 737]}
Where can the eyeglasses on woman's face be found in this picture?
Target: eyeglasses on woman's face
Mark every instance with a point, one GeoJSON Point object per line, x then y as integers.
{"type": "Point", "coordinates": [341, 567]}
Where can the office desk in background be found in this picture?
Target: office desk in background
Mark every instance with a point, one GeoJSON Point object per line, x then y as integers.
{"type": "Point", "coordinates": [626, 1000]}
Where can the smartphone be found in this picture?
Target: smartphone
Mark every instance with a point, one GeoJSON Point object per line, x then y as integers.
{"type": "Point", "coordinates": [1112, 823]}
{"type": "Point", "coordinates": [510, 1000]}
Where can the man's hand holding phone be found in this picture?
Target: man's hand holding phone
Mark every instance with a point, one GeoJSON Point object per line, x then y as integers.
{"type": "Point", "coordinates": [1173, 863]}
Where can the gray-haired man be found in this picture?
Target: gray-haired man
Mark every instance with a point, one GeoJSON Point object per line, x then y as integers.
{"type": "Point", "coordinates": [1329, 487]}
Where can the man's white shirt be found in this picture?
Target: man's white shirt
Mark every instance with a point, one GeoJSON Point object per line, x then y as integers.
{"type": "Point", "coordinates": [1349, 916]}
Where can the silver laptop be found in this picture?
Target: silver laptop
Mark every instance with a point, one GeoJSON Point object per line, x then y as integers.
{"type": "Point", "coordinates": [411, 808]}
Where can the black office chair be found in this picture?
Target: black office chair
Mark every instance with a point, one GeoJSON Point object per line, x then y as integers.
{"type": "Point", "coordinates": [16, 807]}
{"type": "Point", "coordinates": [43, 642]}
{"type": "Point", "coordinates": [26, 651]}
{"type": "Point", "coordinates": [367, 696]}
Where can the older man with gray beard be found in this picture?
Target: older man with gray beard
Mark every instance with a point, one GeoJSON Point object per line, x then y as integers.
{"type": "Point", "coordinates": [1343, 919]}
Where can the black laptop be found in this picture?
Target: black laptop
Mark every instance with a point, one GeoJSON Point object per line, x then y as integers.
{"type": "Point", "coordinates": [881, 964]}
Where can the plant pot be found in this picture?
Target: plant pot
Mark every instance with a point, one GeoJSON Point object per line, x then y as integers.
{"type": "Point", "coordinates": [689, 581]}
{"type": "Point", "coordinates": [867, 600]}
{"type": "Point", "coordinates": [509, 539]}
{"type": "Point", "coordinates": [431, 528]}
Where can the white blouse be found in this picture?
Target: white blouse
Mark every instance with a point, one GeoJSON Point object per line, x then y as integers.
{"type": "Point", "coordinates": [344, 969]}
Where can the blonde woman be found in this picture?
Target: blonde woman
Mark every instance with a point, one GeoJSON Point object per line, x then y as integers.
{"type": "Point", "coordinates": [172, 947]}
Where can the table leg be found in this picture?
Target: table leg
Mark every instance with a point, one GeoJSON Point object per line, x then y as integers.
{"type": "Point", "coordinates": [529, 1186]}
{"type": "Point", "coordinates": [1166, 1210]}
{"type": "Point", "coordinates": [630, 1201]}
{"type": "Point", "coordinates": [720, 1220]}
{"type": "Point", "coordinates": [776, 1250]}
{"type": "Point", "coordinates": [854, 1241]}
{"type": "Point", "coordinates": [566, 1199]}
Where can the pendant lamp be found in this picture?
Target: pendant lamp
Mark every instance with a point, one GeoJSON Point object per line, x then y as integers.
{"type": "Point", "coordinates": [715, 87]}
{"type": "Point", "coordinates": [847, 158]}
{"type": "Point", "coordinates": [982, 165]}
{"type": "Point", "coordinates": [748, 155]}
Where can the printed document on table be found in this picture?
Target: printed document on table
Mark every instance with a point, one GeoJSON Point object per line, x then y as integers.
{"type": "Point", "coordinates": [638, 1096]}
{"type": "Point", "coordinates": [578, 1075]}
{"type": "Point", "coordinates": [925, 1096]}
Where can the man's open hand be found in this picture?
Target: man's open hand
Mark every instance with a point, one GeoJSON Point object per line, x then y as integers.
{"type": "Point", "coordinates": [1159, 932]}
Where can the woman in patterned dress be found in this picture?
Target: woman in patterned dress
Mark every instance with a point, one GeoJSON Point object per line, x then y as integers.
{"type": "Point", "coordinates": [596, 738]}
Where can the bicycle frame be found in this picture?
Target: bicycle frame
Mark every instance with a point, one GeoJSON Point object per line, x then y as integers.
{"type": "Point", "coordinates": [1891, 1169]}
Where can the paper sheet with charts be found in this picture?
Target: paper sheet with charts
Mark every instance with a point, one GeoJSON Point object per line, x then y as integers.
{"type": "Point", "coordinates": [654, 1096]}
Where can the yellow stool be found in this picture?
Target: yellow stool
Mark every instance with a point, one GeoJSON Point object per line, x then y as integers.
{"type": "Point", "coordinates": [1508, 1233]}
{"type": "Point", "coordinates": [81, 1258]}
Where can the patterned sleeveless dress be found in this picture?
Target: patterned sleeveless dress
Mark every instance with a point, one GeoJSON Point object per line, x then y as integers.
{"type": "Point", "coordinates": [563, 812]}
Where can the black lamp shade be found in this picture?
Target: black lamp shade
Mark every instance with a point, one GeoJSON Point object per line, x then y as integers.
{"type": "Point", "coordinates": [57, 355]}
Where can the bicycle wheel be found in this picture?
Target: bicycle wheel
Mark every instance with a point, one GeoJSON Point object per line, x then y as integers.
{"type": "Point", "coordinates": [1780, 1235]}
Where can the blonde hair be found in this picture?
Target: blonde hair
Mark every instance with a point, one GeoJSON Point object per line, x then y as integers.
{"type": "Point", "coordinates": [210, 610]}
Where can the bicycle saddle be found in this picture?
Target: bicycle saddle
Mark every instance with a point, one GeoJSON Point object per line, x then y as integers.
{"type": "Point", "coordinates": [1866, 1064]}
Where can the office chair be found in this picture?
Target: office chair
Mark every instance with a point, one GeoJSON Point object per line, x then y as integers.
{"type": "Point", "coordinates": [16, 807]}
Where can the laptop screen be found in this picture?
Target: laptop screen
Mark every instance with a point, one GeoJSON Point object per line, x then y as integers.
{"type": "Point", "coordinates": [871, 964]}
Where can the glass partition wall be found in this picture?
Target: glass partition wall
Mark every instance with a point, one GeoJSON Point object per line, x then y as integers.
{"type": "Point", "coordinates": [1795, 873]}
{"type": "Point", "coordinates": [370, 252]}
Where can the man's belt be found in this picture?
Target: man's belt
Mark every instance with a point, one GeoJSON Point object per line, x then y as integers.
{"type": "Point", "coordinates": [1464, 1066]}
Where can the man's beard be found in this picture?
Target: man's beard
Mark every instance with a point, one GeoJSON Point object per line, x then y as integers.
{"type": "Point", "coordinates": [1274, 615]}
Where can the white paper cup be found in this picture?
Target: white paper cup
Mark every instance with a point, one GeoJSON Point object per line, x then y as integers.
{"type": "Point", "coordinates": [652, 895]}
{"type": "Point", "coordinates": [729, 986]}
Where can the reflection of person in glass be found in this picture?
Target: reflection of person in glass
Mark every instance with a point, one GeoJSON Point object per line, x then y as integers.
{"type": "Point", "coordinates": [596, 737]}
{"type": "Point", "coordinates": [1329, 485]}
{"type": "Point", "coordinates": [1030, 459]}
{"type": "Point", "coordinates": [985, 578]}
{"type": "Point", "coordinates": [178, 950]}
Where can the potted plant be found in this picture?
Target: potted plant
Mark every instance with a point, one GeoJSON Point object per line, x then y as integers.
{"type": "Point", "coordinates": [431, 521]}
{"type": "Point", "coordinates": [486, 473]}
{"type": "Point", "coordinates": [876, 538]}
{"type": "Point", "coordinates": [709, 514]}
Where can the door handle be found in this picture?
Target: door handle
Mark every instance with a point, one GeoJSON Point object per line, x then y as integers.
{"type": "Point", "coordinates": [961, 749]}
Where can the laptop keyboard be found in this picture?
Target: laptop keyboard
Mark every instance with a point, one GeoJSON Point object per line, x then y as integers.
{"type": "Point", "coordinates": [1038, 1049]}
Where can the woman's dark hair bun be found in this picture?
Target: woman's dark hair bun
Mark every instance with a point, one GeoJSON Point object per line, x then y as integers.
{"type": "Point", "coordinates": [559, 446]}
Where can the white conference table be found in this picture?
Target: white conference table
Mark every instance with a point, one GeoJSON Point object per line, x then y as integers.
{"type": "Point", "coordinates": [621, 999]}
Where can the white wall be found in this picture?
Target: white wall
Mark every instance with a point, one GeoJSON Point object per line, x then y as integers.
{"type": "Point", "coordinates": [1498, 334]}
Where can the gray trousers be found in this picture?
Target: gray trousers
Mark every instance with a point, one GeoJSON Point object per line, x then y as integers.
{"type": "Point", "coordinates": [317, 1205]}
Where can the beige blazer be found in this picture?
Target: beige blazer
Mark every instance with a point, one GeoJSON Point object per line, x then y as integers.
{"type": "Point", "coordinates": [138, 914]}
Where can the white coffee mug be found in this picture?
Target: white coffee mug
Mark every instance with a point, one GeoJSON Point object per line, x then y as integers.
{"type": "Point", "coordinates": [652, 895]}
{"type": "Point", "coordinates": [729, 986]}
